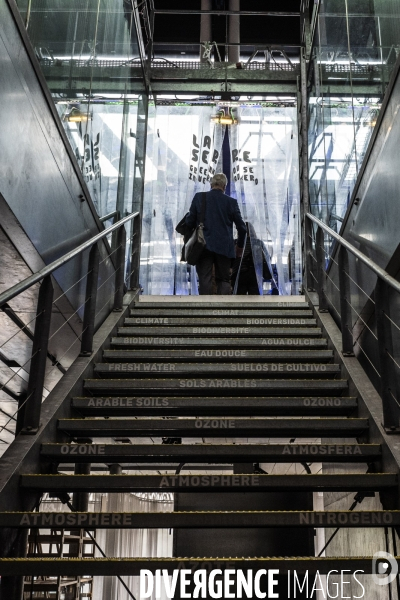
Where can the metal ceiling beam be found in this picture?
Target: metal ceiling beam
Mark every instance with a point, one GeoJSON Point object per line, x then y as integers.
{"type": "Point", "coordinates": [172, 80]}
{"type": "Point", "coordinates": [37, 567]}
{"type": "Point", "coordinates": [200, 519]}
{"type": "Point", "coordinates": [130, 71]}
{"type": "Point", "coordinates": [225, 13]}
{"type": "Point", "coordinates": [174, 88]}
{"type": "Point", "coordinates": [225, 72]}
{"type": "Point", "coordinates": [236, 89]}
{"type": "Point", "coordinates": [363, 89]}
{"type": "Point", "coordinates": [243, 45]}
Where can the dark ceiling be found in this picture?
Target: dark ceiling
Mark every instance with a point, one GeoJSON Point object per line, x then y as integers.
{"type": "Point", "coordinates": [261, 30]}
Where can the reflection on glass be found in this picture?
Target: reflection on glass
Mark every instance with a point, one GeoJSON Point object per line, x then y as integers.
{"type": "Point", "coordinates": [89, 55]}
{"type": "Point", "coordinates": [339, 133]}
{"type": "Point", "coordinates": [355, 47]}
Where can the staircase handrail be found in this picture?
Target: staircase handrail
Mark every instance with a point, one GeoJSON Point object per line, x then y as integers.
{"type": "Point", "coordinates": [25, 284]}
{"type": "Point", "coordinates": [388, 367]}
{"type": "Point", "coordinates": [29, 407]}
{"type": "Point", "coordinates": [367, 261]}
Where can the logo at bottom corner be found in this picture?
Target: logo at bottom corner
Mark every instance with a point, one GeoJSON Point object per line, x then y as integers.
{"type": "Point", "coordinates": [384, 568]}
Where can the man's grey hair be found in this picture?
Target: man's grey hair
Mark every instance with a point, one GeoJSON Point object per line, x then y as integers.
{"type": "Point", "coordinates": [219, 180]}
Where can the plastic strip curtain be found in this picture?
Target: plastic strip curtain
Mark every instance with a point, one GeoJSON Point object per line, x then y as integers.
{"type": "Point", "coordinates": [183, 150]}
{"type": "Point", "coordinates": [264, 154]}
{"type": "Point", "coordinates": [97, 144]}
{"type": "Point", "coordinates": [132, 542]}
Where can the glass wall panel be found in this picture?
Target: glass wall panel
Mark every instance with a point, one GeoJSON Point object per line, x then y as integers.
{"type": "Point", "coordinates": [88, 51]}
{"type": "Point", "coordinates": [89, 54]}
{"type": "Point", "coordinates": [355, 47]}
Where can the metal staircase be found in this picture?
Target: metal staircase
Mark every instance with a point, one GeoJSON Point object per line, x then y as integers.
{"type": "Point", "coordinates": [263, 378]}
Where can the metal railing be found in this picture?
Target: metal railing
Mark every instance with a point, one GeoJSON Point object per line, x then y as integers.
{"type": "Point", "coordinates": [164, 64]}
{"type": "Point", "coordinates": [27, 416]}
{"type": "Point", "coordinates": [388, 366]}
{"type": "Point", "coordinates": [112, 215]}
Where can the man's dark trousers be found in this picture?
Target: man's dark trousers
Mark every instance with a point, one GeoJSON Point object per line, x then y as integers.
{"type": "Point", "coordinates": [222, 273]}
{"type": "Point", "coordinates": [248, 283]}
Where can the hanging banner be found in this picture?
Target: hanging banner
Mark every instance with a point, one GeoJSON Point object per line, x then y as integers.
{"type": "Point", "coordinates": [91, 165]}
{"type": "Point", "coordinates": [183, 153]}
{"type": "Point", "coordinates": [204, 159]}
{"type": "Point", "coordinates": [183, 150]}
{"type": "Point", "coordinates": [245, 171]}
{"type": "Point", "coordinates": [265, 183]}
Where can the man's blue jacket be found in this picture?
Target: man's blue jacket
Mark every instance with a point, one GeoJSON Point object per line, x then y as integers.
{"type": "Point", "coordinates": [221, 212]}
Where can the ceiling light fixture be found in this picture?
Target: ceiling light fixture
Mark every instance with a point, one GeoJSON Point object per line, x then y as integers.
{"type": "Point", "coordinates": [75, 116]}
{"type": "Point", "coordinates": [224, 117]}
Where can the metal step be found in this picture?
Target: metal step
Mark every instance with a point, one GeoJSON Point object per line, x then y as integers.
{"type": "Point", "coordinates": [353, 482]}
{"type": "Point", "coordinates": [206, 321]}
{"type": "Point", "coordinates": [133, 566]}
{"type": "Point", "coordinates": [268, 341]}
{"type": "Point", "coordinates": [259, 304]}
{"type": "Point", "coordinates": [233, 355]}
{"type": "Point", "coordinates": [243, 369]}
{"type": "Point", "coordinates": [235, 385]}
{"type": "Point", "coordinates": [211, 453]}
{"type": "Point", "coordinates": [230, 313]}
{"type": "Point", "coordinates": [226, 331]}
{"type": "Point", "coordinates": [259, 427]}
{"type": "Point", "coordinates": [36, 567]}
{"type": "Point", "coordinates": [202, 519]}
{"type": "Point", "coordinates": [195, 406]}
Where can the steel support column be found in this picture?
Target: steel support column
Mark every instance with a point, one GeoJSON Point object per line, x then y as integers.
{"type": "Point", "coordinates": [345, 303]}
{"type": "Point", "coordinates": [80, 503]}
{"type": "Point", "coordinates": [120, 272]}
{"type": "Point", "coordinates": [124, 160]}
{"type": "Point", "coordinates": [12, 587]}
{"type": "Point", "coordinates": [234, 32]}
{"type": "Point", "coordinates": [138, 188]}
{"type": "Point", "coordinates": [388, 374]}
{"type": "Point", "coordinates": [39, 357]}
{"type": "Point", "coordinates": [135, 254]}
{"type": "Point", "coordinates": [305, 26]}
{"type": "Point", "coordinates": [321, 274]}
{"type": "Point", "coordinates": [111, 538]}
{"type": "Point", "coordinates": [303, 158]}
{"type": "Point", "coordinates": [205, 26]}
{"type": "Point", "coordinates": [90, 301]}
